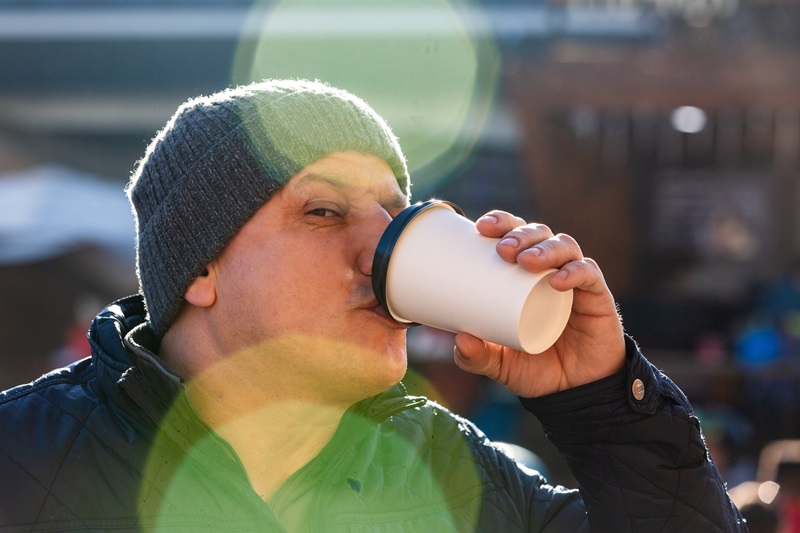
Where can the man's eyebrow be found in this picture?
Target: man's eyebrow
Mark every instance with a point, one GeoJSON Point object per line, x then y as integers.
{"type": "Point", "coordinates": [312, 178]}
{"type": "Point", "coordinates": [396, 199]}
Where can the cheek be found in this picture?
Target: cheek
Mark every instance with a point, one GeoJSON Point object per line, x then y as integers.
{"type": "Point", "coordinates": [293, 280]}
{"type": "Point", "coordinates": [329, 261]}
{"type": "Point", "coordinates": [309, 276]}
{"type": "Point", "coordinates": [254, 277]}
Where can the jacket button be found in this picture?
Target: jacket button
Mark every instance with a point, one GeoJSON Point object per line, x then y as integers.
{"type": "Point", "coordinates": [638, 389]}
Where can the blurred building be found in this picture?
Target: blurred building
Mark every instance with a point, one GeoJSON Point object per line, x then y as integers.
{"type": "Point", "coordinates": [675, 157]}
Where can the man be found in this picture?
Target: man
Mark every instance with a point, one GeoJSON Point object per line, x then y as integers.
{"type": "Point", "coordinates": [254, 383]}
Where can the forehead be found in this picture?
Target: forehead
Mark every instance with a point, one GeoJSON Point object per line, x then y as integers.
{"type": "Point", "coordinates": [353, 174]}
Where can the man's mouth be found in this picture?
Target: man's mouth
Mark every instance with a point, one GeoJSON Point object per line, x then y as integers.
{"type": "Point", "coordinates": [378, 309]}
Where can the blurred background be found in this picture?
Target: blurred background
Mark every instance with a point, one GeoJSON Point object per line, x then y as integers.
{"type": "Point", "coordinates": [664, 135]}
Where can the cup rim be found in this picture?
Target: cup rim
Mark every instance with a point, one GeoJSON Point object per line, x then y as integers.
{"type": "Point", "coordinates": [386, 244]}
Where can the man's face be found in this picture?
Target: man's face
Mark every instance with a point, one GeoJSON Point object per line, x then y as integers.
{"type": "Point", "coordinates": [295, 283]}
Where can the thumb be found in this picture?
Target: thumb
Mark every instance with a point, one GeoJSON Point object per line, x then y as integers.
{"type": "Point", "coordinates": [471, 354]}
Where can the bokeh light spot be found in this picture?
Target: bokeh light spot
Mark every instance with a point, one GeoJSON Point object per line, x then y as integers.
{"type": "Point", "coordinates": [688, 119]}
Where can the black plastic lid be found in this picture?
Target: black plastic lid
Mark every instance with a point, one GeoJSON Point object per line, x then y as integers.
{"type": "Point", "coordinates": [383, 252]}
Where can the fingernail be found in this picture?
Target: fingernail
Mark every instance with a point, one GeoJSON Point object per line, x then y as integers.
{"type": "Point", "coordinates": [491, 219]}
{"type": "Point", "coordinates": [509, 241]}
{"type": "Point", "coordinates": [457, 353]}
{"type": "Point", "coordinates": [532, 251]}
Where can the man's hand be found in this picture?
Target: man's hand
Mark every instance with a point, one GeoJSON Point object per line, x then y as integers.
{"type": "Point", "coordinates": [592, 346]}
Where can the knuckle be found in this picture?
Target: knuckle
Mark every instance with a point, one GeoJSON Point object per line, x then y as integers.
{"type": "Point", "coordinates": [587, 267]}
{"type": "Point", "coordinates": [542, 228]}
{"type": "Point", "coordinates": [569, 241]}
{"type": "Point", "coordinates": [583, 265]}
{"type": "Point", "coordinates": [506, 219]}
{"type": "Point", "coordinates": [591, 262]}
{"type": "Point", "coordinates": [591, 265]}
{"type": "Point", "coordinates": [498, 213]}
{"type": "Point", "coordinates": [525, 231]}
{"type": "Point", "coordinates": [532, 232]}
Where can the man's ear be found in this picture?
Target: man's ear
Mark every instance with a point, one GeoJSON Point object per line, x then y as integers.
{"type": "Point", "coordinates": [203, 291]}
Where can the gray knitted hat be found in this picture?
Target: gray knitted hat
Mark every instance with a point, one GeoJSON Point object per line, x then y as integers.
{"type": "Point", "coordinates": [220, 158]}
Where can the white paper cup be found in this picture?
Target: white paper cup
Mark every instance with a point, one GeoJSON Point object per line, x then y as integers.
{"type": "Point", "coordinates": [432, 267]}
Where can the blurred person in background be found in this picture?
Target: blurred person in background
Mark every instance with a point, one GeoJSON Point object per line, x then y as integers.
{"type": "Point", "coordinates": [770, 333]}
{"type": "Point", "coordinates": [779, 464]}
{"type": "Point", "coordinates": [771, 502]}
{"type": "Point", "coordinates": [255, 381]}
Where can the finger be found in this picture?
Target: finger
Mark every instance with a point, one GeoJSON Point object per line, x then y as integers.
{"type": "Point", "coordinates": [471, 354]}
{"type": "Point", "coordinates": [522, 238]}
{"type": "Point", "coordinates": [553, 252]}
{"type": "Point", "coordinates": [583, 274]}
{"type": "Point", "coordinates": [497, 223]}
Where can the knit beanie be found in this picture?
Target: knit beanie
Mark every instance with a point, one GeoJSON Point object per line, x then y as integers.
{"type": "Point", "coordinates": [220, 158]}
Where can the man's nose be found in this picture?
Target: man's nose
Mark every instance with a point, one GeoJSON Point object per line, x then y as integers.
{"type": "Point", "coordinates": [372, 232]}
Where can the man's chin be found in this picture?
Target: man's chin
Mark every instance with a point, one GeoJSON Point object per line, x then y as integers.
{"type": "Point", "coordinates": [361, 367]}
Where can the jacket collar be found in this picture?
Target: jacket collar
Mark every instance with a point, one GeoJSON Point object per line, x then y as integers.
{"type": "Point", "coordinates": [123, 354]}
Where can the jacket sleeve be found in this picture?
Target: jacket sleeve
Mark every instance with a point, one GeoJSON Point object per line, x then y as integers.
{"type": "Point", "coordinates": [635, 447]}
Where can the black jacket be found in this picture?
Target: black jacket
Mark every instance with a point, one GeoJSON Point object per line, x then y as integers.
{"type": "Point", "coordinates": [111, 443]}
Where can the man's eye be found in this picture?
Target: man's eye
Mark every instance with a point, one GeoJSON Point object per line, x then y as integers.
{"type": "Point", "coordinates": [323, 212]}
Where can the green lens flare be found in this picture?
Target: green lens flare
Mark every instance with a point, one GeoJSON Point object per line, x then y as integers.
{"type": "Point", "coordinates": [429, 67]}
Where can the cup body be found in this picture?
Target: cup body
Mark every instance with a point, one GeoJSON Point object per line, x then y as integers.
{"type": "Point", "coordinates": [435, 268]}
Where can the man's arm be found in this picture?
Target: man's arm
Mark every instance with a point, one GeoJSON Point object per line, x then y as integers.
{"type": "Point", "coordinates": [627, 432]}
{"type": "Point", "coordinates": [634, 445]}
